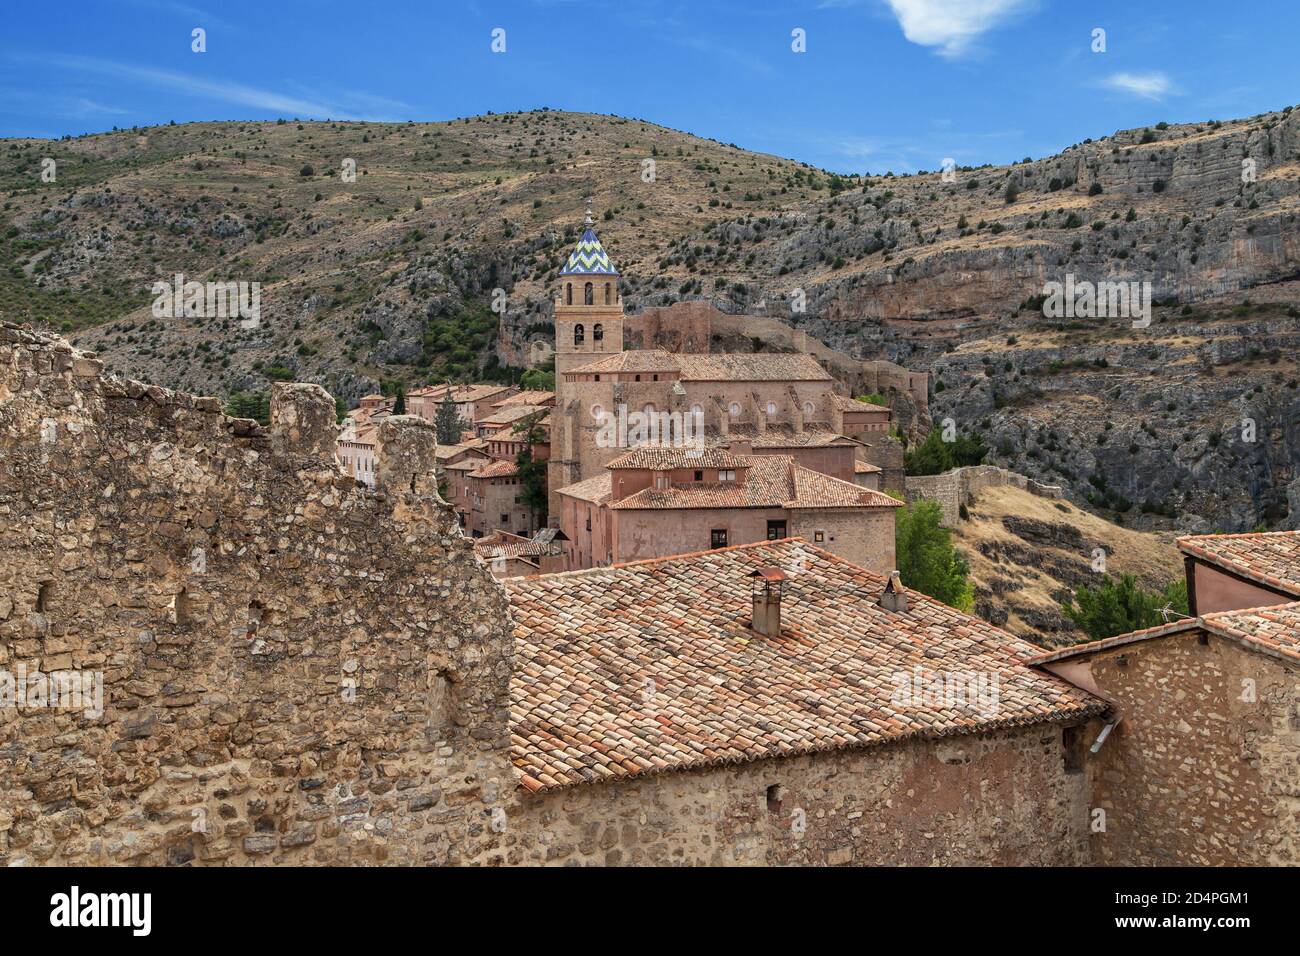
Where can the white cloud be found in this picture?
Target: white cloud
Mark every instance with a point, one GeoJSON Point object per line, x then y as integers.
{"type": "Point", "coordinates": [951, 25]}
{"type": "Point", "coordinates": [225, 91]}
{"type": "Point", "coordinates": [1151, 86]}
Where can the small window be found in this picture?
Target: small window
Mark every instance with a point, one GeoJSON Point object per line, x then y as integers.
{"type": "Point", "coordinates": [441, 700]}
{"type": "Point", "coordinates": [775, 530]}
{"type": "Point", "coordinates": [609, 293]}
{"type": "Point", "coordinates": [1072, 749]}
{"type": "Point", "coordinates": [775, 794]}
{"type": "Point", "coordinates": [182, 608]}
{"type": "Point", "coordinates": [43, 596]}
{"type": "Point", "coordinates": [771, 408]}
{"type": "Point", "coordinates": [568, 293]}
{"type": "Point", "coordinates": [718, 538]}
{"type": "Point", "coordinates": [699, 475]}
{"type": "Point", "coordinates": [598, 332]}
{"type": "Point", "coordinates": [726, 475]}
{"type": "Point", "coordinates": [588, 295]}
{"type": "Point", "coordinates": [819, 537]}
{"type": "Point", "coordinates": [505, 519]}
{"type": "Point", "coordinates": [579, 334]}
{"type": "Point", "coordinates": [734, 410]}
{"type": "Point", "coordinates": [809, 409]}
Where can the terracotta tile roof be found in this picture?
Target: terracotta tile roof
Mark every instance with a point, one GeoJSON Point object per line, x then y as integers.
{"type": "Point", "coordinates": [532, 397]}
{"type": "Point", "coordinates": [498, 468]}
{"type": "Point", "coordinates": [752, 367]}
{"type": "Point", "coordinates": [853, 405]}
{"type": "Point", "coordinates": [1272, 630]}
{"type": "Point", "coordinates": [652, 667]}
{"type": "Point", "coordinates": [631, 360]}
{"type": "Point", "coordinates": [715, 367]}
{"type": "Point", "coordinates": [503, 544]}
{"type": "Point", "coordinates": [459, 393]}
{"type": "Point", "coordinates": [509, 415]}
{"type": "Point", "coordinates": [1271, 558]}
{"type": "Point", "coordinates": [661, 457]}
{"type": "Point", "coordinates": [771, 481]}
{"type": "Point", "coordinates": [447, 452]}
{"type": "Point", "coordinates": [812, 489]}
{"type": "Point", "coordinates": [1119, 640]}
{"type": "Point", "coordinates": [864, 468]}
{"type": "Point", "coordinates": [782, 435]}
{"type": "Point", "coordinates": [596, 490]}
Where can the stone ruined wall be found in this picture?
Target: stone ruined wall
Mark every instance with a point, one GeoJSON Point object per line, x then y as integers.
{"type": "Point", "coordinates": [295, 669]}
{"type": "Point", "coordinates": [1004, 798]}
{"type": "Point", "coordinates": [957, 487]}
{"type": "Point", "coordinates": [1195, 775]}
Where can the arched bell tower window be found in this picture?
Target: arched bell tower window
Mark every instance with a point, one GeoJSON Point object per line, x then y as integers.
{"type": "Point", "coordinates": [598, 333]}
{"type": "Point", "coordinates": [579, 333]}
{"type": "Point", "coordinates": [608, 293]}
{"type": "Point", "coordinates": [588, 294]}
{"type": "Point", "coordinates": [568, 293]}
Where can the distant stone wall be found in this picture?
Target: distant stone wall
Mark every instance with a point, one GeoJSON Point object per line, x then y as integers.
{"type": "Point", "coordinates": [295, 669]}
{"type": "Point", "coordinates": [1002, 798]}
{"type": "Point", "coordinates": [957, 487]}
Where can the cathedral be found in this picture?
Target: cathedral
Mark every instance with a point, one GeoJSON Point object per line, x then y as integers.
{"type": "Point", "coordinates": [758, 403]}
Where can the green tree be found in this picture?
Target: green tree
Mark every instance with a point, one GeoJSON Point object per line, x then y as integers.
{"type": "Point", "coordinates": [448, 423]}
{"type": "Point", "coordinates": [536, 379]}
{"type": "Point", "coordinates": [926, 558]}
{"type": "Point", "coordinates": [532, 470]}
{"type": "Point", "coordinates": [1117, 606]}
{"type": "Point", "coordinates": [875, 398]}
{"type": "Point", "coordinates": [399, 404]}
{"type": "Point", "coordinates": [254, 405]}
{"type": "Point", "coordinates": [935, 456]}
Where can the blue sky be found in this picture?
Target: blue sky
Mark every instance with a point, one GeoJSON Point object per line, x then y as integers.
{"type": "Point", "coordinates": [883, 84]}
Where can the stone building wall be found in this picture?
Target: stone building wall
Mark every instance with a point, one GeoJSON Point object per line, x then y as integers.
{"type": "Point", "coordinates": [958, 487]}
{"type": "Point", "coordinates": [296, 669]}
{"type": "Point", "coordinates": [1204, 769]}
{"type": "Point", "coordinates": [1002, 798]}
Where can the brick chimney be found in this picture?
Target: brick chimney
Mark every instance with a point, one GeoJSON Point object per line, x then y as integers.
{"type": "Point", "coordinates": [894, 597]}
{"type": "Point", "coordinates": [767, 586]}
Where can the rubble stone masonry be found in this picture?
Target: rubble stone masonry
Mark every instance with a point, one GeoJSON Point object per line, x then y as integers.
{"type": "Point", "coordinates": [296, 669]}
{"type": "Point", "coordinates": [1001, 798]}
{"type": "Point", "coordinates": [1204, 768]}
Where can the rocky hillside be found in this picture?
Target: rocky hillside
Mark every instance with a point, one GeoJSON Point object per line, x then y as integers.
{"type": "Point", "coordinates": [1027, 554]}
{"type": "Point", "coordinates": [389, 278]}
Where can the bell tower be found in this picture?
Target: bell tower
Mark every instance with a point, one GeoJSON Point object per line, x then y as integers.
{"type": "Point", "coordinates": [589, 308]}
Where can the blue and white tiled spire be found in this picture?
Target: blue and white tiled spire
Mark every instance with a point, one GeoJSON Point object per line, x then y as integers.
{"type": "Point", "coordinates": [589, 256]}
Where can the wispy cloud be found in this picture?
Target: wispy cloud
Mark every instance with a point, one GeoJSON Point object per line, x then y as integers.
{"type": "Point", "coordinates": [198, 16]}
{"type": "Point", "coordinates": [952, 25]}
{"type": "Point", "coordinates": [229, 92]}
{"type": "Point", "coordinates": [722, 52]}
{"type": "Point", "coordinates": [1151, 86]}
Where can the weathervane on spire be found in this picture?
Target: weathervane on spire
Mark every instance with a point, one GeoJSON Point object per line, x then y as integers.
{"type": "Point", "coordinates": [589, 221]}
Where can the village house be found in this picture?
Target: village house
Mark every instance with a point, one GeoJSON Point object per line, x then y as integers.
{"type": "Point", "coordinates": [488, 496]}
{"type": "Point", "coordinates": [773, 703]}
{"type": "Point", "coordinates": [472, 401]}
{"type": "Point", "coordinates": [355, 447]}
{"type": "Point", "coordinates": [1197, 761]}
{"type": "Point", "coordinates": [656, 501]}
{"type": "Point", "coordinates": [511, 555]}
